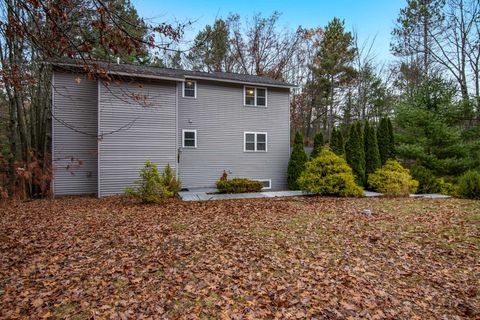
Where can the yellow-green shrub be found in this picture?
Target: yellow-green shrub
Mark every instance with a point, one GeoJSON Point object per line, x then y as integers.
{"type": "Point", "coordinates": [151, 187]}
{"type": "Point", "coordinates": [329, 174]}
{"type": "Point", "coordinates": [170, 180]}
{"type": "Point", "coordinates": [238, 185]}
{"type": "Point", "coordinates": [393, 179]}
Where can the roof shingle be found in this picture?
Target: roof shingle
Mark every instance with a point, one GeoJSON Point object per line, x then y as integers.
{"type": "Point", "coordinates": [173, 74]}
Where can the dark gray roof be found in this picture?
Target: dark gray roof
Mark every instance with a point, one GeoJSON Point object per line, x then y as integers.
{"type": "Point", "coordinates": [172, 74]}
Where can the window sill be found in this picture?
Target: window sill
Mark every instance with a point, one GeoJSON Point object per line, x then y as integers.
{"type": "Point", "coordinates": [192, 98]}
{"type": "Point", "coordinates": [246, 151]}
{"type": "Point", "coordinates": [252, 106]}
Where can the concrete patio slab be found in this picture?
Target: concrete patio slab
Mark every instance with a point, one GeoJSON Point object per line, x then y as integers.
{"type": "Point", "coordinates": [372, 194]}
{"type": "Point", "coordinates": [430, 195]}
{"type": "Point", "coordinates": [206, 194]}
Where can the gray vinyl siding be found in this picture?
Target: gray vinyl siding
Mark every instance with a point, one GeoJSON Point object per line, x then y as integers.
{"type": "Point", "coordinates": [74, 131]}
{"type": "Point", "coordinates": [138, 123]}
{"type": "Point", "coordinates": [220, 118]}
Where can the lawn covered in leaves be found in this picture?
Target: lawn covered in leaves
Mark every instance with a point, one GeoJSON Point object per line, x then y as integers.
{"type": "Point", "coordinates": [295, 258]}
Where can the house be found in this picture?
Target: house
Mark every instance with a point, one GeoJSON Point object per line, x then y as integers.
{"type": "Point", "coordinates": [199, 123]}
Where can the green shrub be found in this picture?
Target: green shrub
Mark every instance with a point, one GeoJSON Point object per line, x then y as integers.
{"type": "Point", "coordinates": [238, 185]}
{"type": "Point", "coordinates": [317, 145]}
{"type": "Point", "coordinates": [427, 183]}
{"type": "Point", "coordinates": [329, 174]}
{"type": "Point", "coordinates": [150, 188]}
{"type": "Point", "coordinates": [469, 185]}
{"type": "Point", "coordinates": [297, 161]}
{"type": "Point", "coordinates": [170, 180]}
{"type": "Point", "coordinates": [393, 179]}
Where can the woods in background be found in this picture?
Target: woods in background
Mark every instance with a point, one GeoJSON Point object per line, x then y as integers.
{"type": "Point", "coordinates": [430, 93]}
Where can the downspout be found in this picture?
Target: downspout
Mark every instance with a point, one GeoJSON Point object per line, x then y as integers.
{"type": "Point", "coordinates": [177, 148]}
{"type": "Point", "coordinates": [98, 138]}
{"type": "Point", "coordinates": [53, 131]}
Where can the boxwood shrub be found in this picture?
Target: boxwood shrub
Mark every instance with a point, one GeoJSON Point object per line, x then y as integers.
{"type": "Point", "coordinates": [329, 174]}
{"type": "Point", "coordinates": [393, 179]}
{"type": "Point", "coordinates": [238, 185]}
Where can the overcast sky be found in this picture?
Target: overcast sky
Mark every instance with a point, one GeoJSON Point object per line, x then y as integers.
{"type": "Point", "coordinates": [370, 18]}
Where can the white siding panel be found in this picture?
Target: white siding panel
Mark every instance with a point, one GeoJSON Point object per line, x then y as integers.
{"type": "Point", "coordinates": [74, 134]}
{"type": "Point", "coordinates": [137, 121]}
{"type": "Point", "coordinates": [220, 118]}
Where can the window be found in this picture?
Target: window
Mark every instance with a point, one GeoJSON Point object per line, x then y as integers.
{"type": "Point", "coordinates": [255, 97]}
{"type": "Point", "coordinates": [189, 139]}
{"type": "Point", "coordinates": [267, 183]}
{"type": "Point", "coordinates": [190, 89]}
{"type": "Point", "coordinates": [255, 142]}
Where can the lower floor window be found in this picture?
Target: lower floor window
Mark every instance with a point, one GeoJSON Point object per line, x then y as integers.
{"type": "Point", "coordinates": [189, 139]}
{"type": "Point", "coordinates": [255, 141]}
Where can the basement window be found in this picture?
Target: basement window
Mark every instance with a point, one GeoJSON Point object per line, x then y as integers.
{"type": "Point", "coordinates": [190, 89]}
{"type": "Point", "coordinates": [267, 183]}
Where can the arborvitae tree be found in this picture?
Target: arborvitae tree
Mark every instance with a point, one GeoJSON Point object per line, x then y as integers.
{"type": "Point", "coordinates": [383, 140]}
{"type": "Point", "coordinates": [317, 145]}
{"type": "Point", "coordinates": [336, 142]}
{"type": "Point", "coordinates": [391, 140]}
{"type": "Point", "coordinates": [296, 165]}
{"type": "Point", "coordinates": [355, 153]}
{"type": "Point", "coordinates": [372, 154]}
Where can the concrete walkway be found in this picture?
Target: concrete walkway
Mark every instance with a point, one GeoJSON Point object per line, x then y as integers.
{"type": "Point", "coordinates": [206, 194]}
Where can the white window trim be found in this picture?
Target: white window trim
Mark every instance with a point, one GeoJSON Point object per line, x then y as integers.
{"type": "Point", "coordinates": [269, 183]}
{"type": "Point", "coordinates": [254, 96]}
{"type": "Point", "coordinates": [183, 89]}
{"type": "Point", "coordinates": [183, 138]}
{"type": "Point", "coordinates": [255, 141]}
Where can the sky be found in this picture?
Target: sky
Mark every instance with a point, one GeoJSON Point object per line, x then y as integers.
{"type": "Point", "coordinates": [371, 19]}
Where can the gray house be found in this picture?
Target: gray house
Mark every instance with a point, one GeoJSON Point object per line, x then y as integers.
{"type": "Point", "coordinates": [199, 123]}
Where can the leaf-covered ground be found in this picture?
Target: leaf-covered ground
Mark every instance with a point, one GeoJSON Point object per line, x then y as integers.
{"type": "Point", "coordinates": [295, 258]}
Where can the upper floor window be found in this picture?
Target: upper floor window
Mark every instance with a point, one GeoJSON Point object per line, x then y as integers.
{"type": "Point", "coordinates": [189, 139]}
{"type": "Point", "coordinates": [189, 89]}
{"type": "Point", "coordinates": [255, 142]}
{"type": "Point", "coordinates": [255, 97]}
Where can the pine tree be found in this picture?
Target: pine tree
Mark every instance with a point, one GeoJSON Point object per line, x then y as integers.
{"type": "Point", "coordinates": [317, 145]}
{"type": "Point", "coordinates": [336, 142]}
{"type": "Point", "coordinates": [391, 140]}
{"type": "Point", "coordinates": [383, 140]}
{"type": "Point", "coordinates": [332, 68]}
{"type": "Point", "coordinates": [372, 154]}
{"type": "Point", "coordinates": [355, 153]}
{"type": "Point", "coordinates": [296, 165]}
